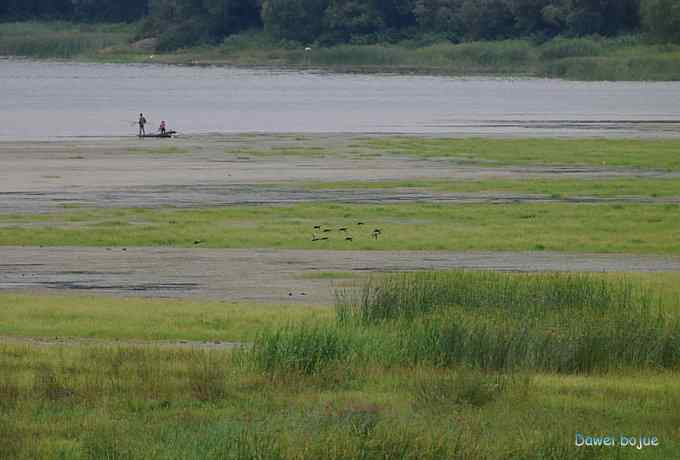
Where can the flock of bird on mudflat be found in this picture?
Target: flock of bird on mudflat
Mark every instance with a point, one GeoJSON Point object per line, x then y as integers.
{"type": "Point", "coordinates": [321, 234]}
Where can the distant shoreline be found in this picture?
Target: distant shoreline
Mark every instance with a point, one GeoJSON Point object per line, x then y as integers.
{"type": "Point", "coordinates": [626, 58]}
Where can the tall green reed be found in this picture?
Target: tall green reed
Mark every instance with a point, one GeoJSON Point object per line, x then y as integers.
{"type": "Point", "coordinates": [414, 294]}
{"type": "Point", "coordinates": [497, 321]}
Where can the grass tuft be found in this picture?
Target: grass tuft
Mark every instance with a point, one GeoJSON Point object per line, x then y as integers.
{"type": "Point", "coordinates": [307, 349]}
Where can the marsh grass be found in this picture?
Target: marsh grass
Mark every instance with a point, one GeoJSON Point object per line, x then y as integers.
{"type": "Point", "coordinates": [278, 152]}
{"type": "Point", "coordinates": [144, 404]}
{"type": "Point", "coordinates": [47, 385]}
{"type": "Point", "coordinates": [60, 39]}
{"type": "Point", "coordinates": [588, 58]}
{"type": "Point", "coordinates": [552, 322]}
{"type": "Point", "coordinates": [168, 150]}
{"type": "Point", "coordinates": [307, 350]}
{"type": "Point", "coordinates": [561, 48]}
{"type": "Point", "coordinates": [481, 57]}
{"type": "Point", "coordinates": [629, 153]}
{"type": "Point", "coordinates": [445, 391]}
{"type": "Point", "coordinates": [207, 378]}
{"type": "Point", "coordinates": [572, 227]}
{"type": "Point", "coordinates": [409, 295]}
{"type": "Point", "coordinates": [9, 391]}
{"type": "Point", "coordinates": [474, 381]}
{"type": "Point", "coordinates": [560, 189]}
{"type": "Point", "coordinates": [622, 58]}
{"type": "Point", "coordinates": [111, 318]}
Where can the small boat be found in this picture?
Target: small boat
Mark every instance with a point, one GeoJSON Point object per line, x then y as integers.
{"type": "Point", "coordinates": [165, 135]}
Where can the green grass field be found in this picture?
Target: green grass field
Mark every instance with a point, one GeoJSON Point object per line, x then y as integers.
{"type": "Point", "coordinates": [625, 153]}
{"type": "Point", "coordinates": [149, 404]}
{"type": "Point", "coordinates": [632, 228]}
{"type": "Point", "coordinates": [370, 385]}
{"type": "Point", "coordinates": [104, 317]}
{"type": "Point", "coordinates": [427, 365]}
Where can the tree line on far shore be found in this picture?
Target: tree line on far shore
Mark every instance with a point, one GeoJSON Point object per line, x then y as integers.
{"type": "Point", "coordinates": [180, 23]}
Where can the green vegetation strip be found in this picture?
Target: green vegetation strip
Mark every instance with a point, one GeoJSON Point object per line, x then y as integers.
{"type": "Point", "coordinates": [620, 58]}
{"type": "Point", "coordinates": [628, 153]}
{"type": "Point", "coordinates": [620, 228]}
{"type": "Point", "coordinates": [553, 188]}
{"type": "Point", "coordinates": [105, 317]}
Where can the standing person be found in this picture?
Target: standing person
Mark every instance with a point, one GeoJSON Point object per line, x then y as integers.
{"type": "Point", "coordinates": [142, 122]}
{"type": "Point", "coordinates": [162, 128]}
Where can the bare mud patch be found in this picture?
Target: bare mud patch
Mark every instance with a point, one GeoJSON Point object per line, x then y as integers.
{"type": "Point", "coordinates": [267, 275]}
{"type": "Point", "coordinates": [123, 343]}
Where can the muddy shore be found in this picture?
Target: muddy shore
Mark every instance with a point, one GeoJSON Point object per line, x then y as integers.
{"type": "Point", "coordinates": [265, 275]}
{"type": "Point", "coordinates": [207, 171]}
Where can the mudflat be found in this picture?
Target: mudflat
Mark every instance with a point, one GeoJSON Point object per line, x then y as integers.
{"type": "Point", "coordinates": [267, 275]}
{"type": "Point", "coordinates": [220, 170]}
{"type": "Point", "coordinates": [224, 170]}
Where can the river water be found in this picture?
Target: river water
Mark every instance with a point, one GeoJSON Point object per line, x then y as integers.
{"type": "Point", "coordinates": [47, 100]}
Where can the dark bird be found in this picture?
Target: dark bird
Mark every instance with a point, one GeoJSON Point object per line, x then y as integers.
{"type": "Point", "coordinates": [349, 238]}
{"type": "Point", "coordinates": [325, 238]}
{"type": "Point", "coordinates": [198, 241]}
{"type": "Point", "coordinates": [317, 227]}
{"type": "Point", "coordinates": [360, 223]}
{"type": "Point", "coordinates": [343, 229]}
{"type": "Point", "coordinates": [326, 230]}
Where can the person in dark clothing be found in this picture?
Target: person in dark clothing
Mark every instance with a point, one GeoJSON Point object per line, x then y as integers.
{"type": "Point", "coordinates": [142, 122]}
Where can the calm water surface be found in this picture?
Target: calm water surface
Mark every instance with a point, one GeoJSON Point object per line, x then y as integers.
{"type": "Point", "coordinates": [42, 100]}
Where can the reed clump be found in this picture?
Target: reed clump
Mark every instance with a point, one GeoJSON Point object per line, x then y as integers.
{"type": "Point", "coordinates": [303, 349]}
{"type": "Point", "coordinates": [409, 295]}
{"type": "Point", "coordinates": [568, 323]}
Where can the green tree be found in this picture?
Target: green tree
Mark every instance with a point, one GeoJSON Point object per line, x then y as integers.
{"type": "Point", "coordinates": [441, 17]}
{"type": "Point", "coordinates": [606, 17]}
{"type": "Point", "coordinates": [345, 19]}
{"type": "Point", "coordinates": [297, 20]}
{"type": "Point", "coordinates": [661, 20]}
{"type": "Point", "coordinates": [109, 10]}
{"type": "Point", "coordinates": [538, 17]}
{"type": "Point", "coordinates": [396, 14]}
{"type": "Point", "coordinates": [488, 19]}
